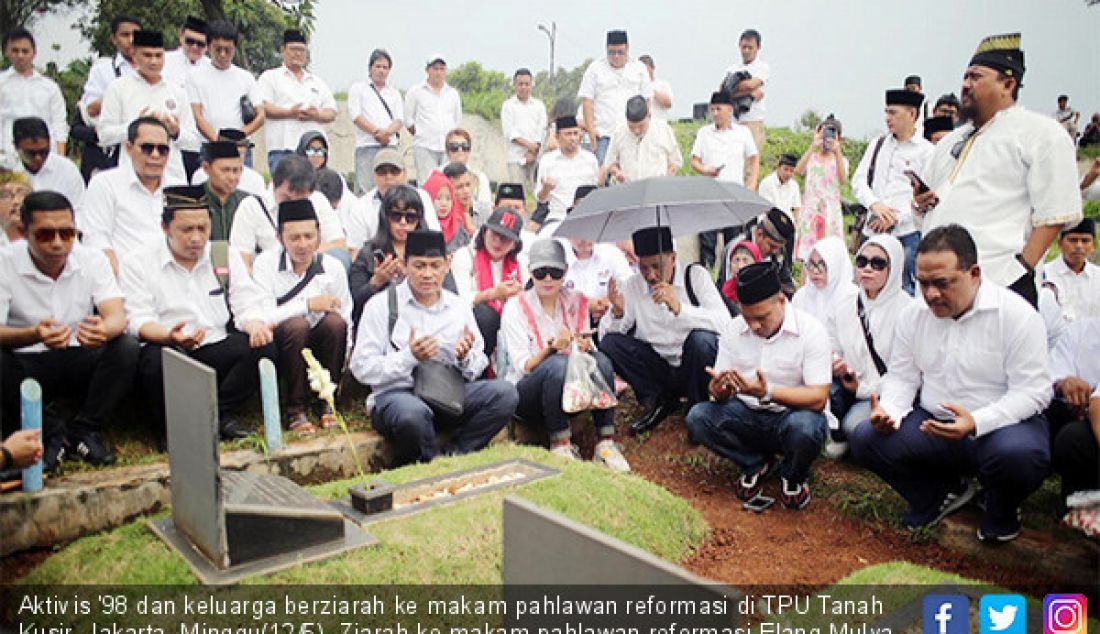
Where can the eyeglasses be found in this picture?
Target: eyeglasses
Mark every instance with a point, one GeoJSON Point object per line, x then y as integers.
{"type": "Point", "coordinates": [616, 51]}
{"type": "Point", "coordinates": [818, 266]}
{"type": "Point", "coordinates": [148, 148]}
{"type": "Point", "coordinates": [877, 263]}
{"type": "Point", "coordinates": [409, 218]}
{"type": "Point", "coordinates": [318, 151]}
{"type": "Point", "coordinates": [542, 272]}
{"type": "Point", "coordinates": [190, 41]}
{"type": "Point", "coordinates": [43, 153]}
{"type": "Point", "coordinates": [456, 147]}
{"type": "Point", "coordinates": [47, 235]}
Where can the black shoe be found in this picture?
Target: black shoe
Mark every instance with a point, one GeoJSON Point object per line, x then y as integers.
{"type": "Point", "coordinates": [661, 411]}
{"type": "Point", "coordinates": [53, 454]}
{"type": "Point", "coordinates": [89, 448]}
{"type": "Point", "coordinates": [230, 429]}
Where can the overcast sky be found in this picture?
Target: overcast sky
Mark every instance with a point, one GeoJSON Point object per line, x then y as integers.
{"type": "Point", "coordinates": [833, 57]}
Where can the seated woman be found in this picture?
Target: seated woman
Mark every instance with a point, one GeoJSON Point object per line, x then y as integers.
{"type": "Point", "coordinates": [539, 325]}
{"type": "Point", "coordinates": [743, 254]}
{"type": "Point", "coordinates": [861, 331]}
{"type": "Point", "coordinates": [827, 279]}
{"type": "Point", "coordinates": [456, 226]}
{"type": "Point", "coordinates": [487, 273]}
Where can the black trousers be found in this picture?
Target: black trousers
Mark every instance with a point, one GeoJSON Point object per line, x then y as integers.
{"type": "Point", "coordinates": [1076, 458]}
{"type": "Point", "coordinates": [97, 378]}
{"type": "Point", "coordinates": [191, 163]}
{"type": "Point", "coordinates": [708, 243]}
{"type": "Point", "coordinates": [231, 358]}
{"type": "Point", "coordinates": [652, 377]}
{"type": "Point", "coordinates": [488, 322]}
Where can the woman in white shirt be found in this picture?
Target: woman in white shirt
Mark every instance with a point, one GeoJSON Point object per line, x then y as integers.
{"type": "Point", "coordinates": [827, 279]}
{"type": "Point", "coordinates": [538, 328]}
{"type": "Point", "coordinates": [856, 375]}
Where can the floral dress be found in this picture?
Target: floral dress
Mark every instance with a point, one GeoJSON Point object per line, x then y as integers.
{"type": "Point", "coordinates": [821, 215]}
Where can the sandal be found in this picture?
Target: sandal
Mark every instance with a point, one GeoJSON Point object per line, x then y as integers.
{"type": "Point", "coordinates": [299, 424]}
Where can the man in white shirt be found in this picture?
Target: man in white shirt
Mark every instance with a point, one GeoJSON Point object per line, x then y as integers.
{"type": "Point", "coordinates": [662, 90]}
{"type": "Point", "coordinates": [47, 169]}
{"type": "Point", "coordinates": [642, 147]}
{"type": "Point", "coordinates": [361, 223]}
{"type": "Point", "coordinates": [24, 92]}
{"type": "Point", "coordinates": [1008, 175]}
{"type": "Point", "coordinates": [378, 113]}
{"type": "Point", "coordinates": [1075, 279]}
{"type": "Point", "coordinates": [94, 158]}
{"type": "Point", "coordinates": [295, 101]}
{"type": "Point", "coordinates": [215, 90]}
{"type": "Point", "coordinates": [148, 94]}
{"type": "Point", "coordinates": [724, 150]}
{"type": "Point", "coordinates": [63, 323]}
{"type": "Point", "coordinates": [432, 109]}
{"type": "Point", "coordinates": [307, 303]}
{"type": "Point", "coordinates": [606, 85]}
{"type": "Point", "coordinates": [177, 298]}
{"type": "Point", "coordinates": [782, 191]}
{"type": "Point", "coordinates": [760, 74]}
{"type": "Point", "coordinates": [562, 171]}
{"type": "Point", "coordinates": [122, 207]}
{"type": "Point", "coordinates": [776, 360]}
{"type": "Point", "coordinates": [977, 356]}
{"type": "Point", "coordinates": [179, 64]}
{"type": "Point", "coordinates": [675, 312]}
{"type": "Point", "coordinates": [523, 121]}
{"type": "Point", "coordinates": [881, 182]}
{"type": "Point", "coordinates": [1067, 117]}
{"type": "Point", "coordinates": [415, 322]}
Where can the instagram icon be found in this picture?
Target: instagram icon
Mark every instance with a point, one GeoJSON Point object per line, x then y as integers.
{"type": "Point", "coordinates": [1064, 614]}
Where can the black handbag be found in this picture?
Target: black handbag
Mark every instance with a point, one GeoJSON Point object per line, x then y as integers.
{"type": "Point", "coordinates": [248, 111]}
{"type": "Point", "coordinates": [440, 385]}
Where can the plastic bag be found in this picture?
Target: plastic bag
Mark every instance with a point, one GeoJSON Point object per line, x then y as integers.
{"type": "Point", "coordinates": [585, 388]}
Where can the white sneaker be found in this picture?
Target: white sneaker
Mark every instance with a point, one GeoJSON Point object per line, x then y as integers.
{"type": "Point", "coordinates": [607, 453]}
{"type": "Point", "coordinates": [835, 449]}
{"type": "Point", "coordinates": [569, 452]}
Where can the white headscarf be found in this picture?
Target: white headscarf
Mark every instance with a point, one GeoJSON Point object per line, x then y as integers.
{"type": "Point", "coordinates": [883, 311]}
{"type": "Point", "coordinates": [839, 287]}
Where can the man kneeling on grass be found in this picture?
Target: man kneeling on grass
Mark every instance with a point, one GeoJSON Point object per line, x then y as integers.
{"type": "Point", "coordinates": [776, 360]}
{"type": "Point", "coordinates": [402, 332]}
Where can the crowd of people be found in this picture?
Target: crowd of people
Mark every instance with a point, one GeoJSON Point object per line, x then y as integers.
{"type": "Point", "coordinates": [945, 351]}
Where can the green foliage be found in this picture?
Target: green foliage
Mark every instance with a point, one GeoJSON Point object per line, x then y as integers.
{"type": "Point", "coordinates": [15, 13]}
{"type": "Point", "coordinates": [565, 84]}
{"type": "Point", "coordinates": [809, 120]}
{"type": "Point", "coordinates": [485, 104]}
{"type": "Point", "coordinates": [70, 80]}
{"type": "Point", "coordinates": [483, 91]}
{"type": "Point", "coordinates": [1092, 209]}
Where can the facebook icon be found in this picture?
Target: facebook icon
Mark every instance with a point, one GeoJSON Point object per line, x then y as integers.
{"type": "Point", "coordinates": [946, 614]}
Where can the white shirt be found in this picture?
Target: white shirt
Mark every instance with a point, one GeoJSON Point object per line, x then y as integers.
{"type": "Point", "coordinates": [725, 148]}
{"type": "Point", "coordinates": [27, 296]}
{"type": "Point", "coordinates": [1078, 353]}
{"type": "Point", "coordinates": [125, 100]}
{"type": "Point", "coordinates": [659, 111]}
{"type": "Point", "coordinates": [252, 182]}
{"type": "Point", "coordinates": [1078, 293]}
{"type": "Point", "coordinates": [610, 88]}
{"type": "Point", "coordinates": [119, 213]}
{"type": "Point", "coordinates": [798, 355]}
{"type": "Point", "coordinates": [518, 337]}
{"type": "Point", "coordinates": [432, 115]}
{"type": "Point", "coordinates": [1053, 317]}
{"type": "Point", "coordinates": [1020, 172]}
{"type": "Point", "coordinates": [522, 120]}
{"type": "Point", "coordinates": [103, 72]}
{"type": "Point", "coordinates": [591, 276]}
{"type": "Point", "coordinates": [891, 186]}
{"type": "Point", "coordinates": [383, 360]}
{"type": "Point", "coordinates": [570, 173]}
{"type": "Point", "coordinates": [219, 93]}
{"type": "Point", "coordinates": [280, 87]}
{"type": "Point", "coordinates": [34, 96]}
{"type": "Point", "coordinates": [647, 156]}
{"type": "Point", "coordinates": [993, 361]}
{"type": "Point", "coordinates": [255, 229]}
{"type": "Point", "coordinates": [465, 275]}
{"type": "Point", "coordinates": [158, 290]}
{"type": "Point", "coordinates": [363, 100]}
{"type": "Point", "coordinates": [784, 196]}
{"type": "Point", "coordinates": [656, 325]}
{"type": "Point", "coordinates": [759, 69]}
{"type": "Point", "coordinates": [177, 67]}
{"type": "Point", "coordinates": [274, 276]}
{"type": "Point", "coordinates": [58, 174]}
{"type": "Point", "coordinates": [361, 220]}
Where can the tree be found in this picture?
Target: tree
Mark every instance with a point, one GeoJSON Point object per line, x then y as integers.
{"type": "Point", "coordinates": [15, 13]}
{"type": "Point", "coordinates": [809, 120]}
{"type": "Point", "coordinates": [470, 77]}
{"type": "Point", "coordinates": [565, 84]}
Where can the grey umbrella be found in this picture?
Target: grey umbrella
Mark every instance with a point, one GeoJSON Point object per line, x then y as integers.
{"type": "Point", "coordinates": [686, 205]}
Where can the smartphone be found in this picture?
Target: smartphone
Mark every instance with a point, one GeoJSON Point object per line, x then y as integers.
{"type": "Point", "coordinates": [916, 182]}
{"type": "Point", "coordinates": [758, 504]}
{"type": "Point", "coordinates": [379, 256]}
{"type": "Point", "coordinates": [829, 134]}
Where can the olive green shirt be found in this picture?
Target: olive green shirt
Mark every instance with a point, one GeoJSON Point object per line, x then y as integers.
{"type": "Point", "coordinates": [221, 216]}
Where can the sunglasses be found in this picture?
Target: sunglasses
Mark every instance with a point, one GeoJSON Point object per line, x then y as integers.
{"type": "Point", "coordinates": [320, 151]}
{"type": "Point", "coordinates": [47, 235]}
{"type": "Point", "coordinates": [148, 148]}
{"type": "Point", "coordinates": [541, 273]}
{"type": "Point", "coordinates": [190, 41]}
{"type": "Point", "coordinates": [409, 218]}
{"type": "Point", "coordinates": [877, 263]}
{"type": "Point", "coordinates": [35, 153]}
{"type": "Point", "coordinates": [456, 147]}
{"type": "Point", "coordinates": [819, 267]}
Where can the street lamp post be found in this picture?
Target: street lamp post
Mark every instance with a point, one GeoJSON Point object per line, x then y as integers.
{"type": "Point", "coordinates": [552, 34]}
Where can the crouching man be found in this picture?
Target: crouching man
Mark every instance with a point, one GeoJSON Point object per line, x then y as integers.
{"type": "Point", "coordinates": [416, 323]}
{"type": "Point", "coordinates": [776, 360]}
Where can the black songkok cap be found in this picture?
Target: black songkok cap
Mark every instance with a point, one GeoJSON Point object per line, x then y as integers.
{"type": "Point", "coordinates": [150, 39]}
{"type": "Point", "coordinates": [778, 225]}
{"type": "Point", "coordinates": [294, 210]}
{"type": "Point", "coordinates": [1001, 53]}
{"type": "Point", "coordinates": [185, 197]}
{"type": "Point", "coordinates": [214, 150]}
{"type": "Point", "coordinates": [233, 135]}
{"type": "Point", "coordinates": [1088, 225]}
{"type": "Point", "coordinates": [510, 191]}
{"type": "Point", "coordinates": [195, 24]}
{"type": "Point", "coordinates": [913, 79]}
{"type": "Point", "coordinates": [938, 124]}
{"type": "Point", "coordinates": [653, 241]}
{"type": "Point", "coordinates": [616, 37]}
{"type": "Point", "coordinates": [721, 97]}
{"type": "Point", "coordinates": [425, 244]}
{"type": "Point", "coordinates": [563, 123]}
{"type": "Point", "coordinates": [757, 282]}
{"type": "Point", "coordinates": [636, 109]}
{"type": "Point", "coordinates": [902, 97]}
{"type": "Point", "coordinates": [293, 35]}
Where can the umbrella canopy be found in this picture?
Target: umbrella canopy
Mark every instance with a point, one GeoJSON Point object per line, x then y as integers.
{"type": "Point", "coordinates": [686, 205]}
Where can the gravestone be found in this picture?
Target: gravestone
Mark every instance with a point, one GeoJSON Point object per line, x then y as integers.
{"type": "Point", "coordinates": [228, 525]}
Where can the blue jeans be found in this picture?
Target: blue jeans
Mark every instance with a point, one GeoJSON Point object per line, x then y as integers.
{"type": "Point", "coordinates": [540, 394]}
{"type": "Point", "coordinates": [750, 437]}
{"type": "Point", "coordinates": [273, 158]}
{"type": "Point", "coordinates": [848, 410]}
{"type": "Point", "coordinates": [909, 242]}
{"type": "Point", "coordinates": [602, 143]}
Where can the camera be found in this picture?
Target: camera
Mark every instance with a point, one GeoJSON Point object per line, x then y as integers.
{"type": "Point", "coordinates": [729, 85]}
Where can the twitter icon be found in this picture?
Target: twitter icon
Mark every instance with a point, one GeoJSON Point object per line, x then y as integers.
{"type": "Point", "coordinates": [1003, 614]}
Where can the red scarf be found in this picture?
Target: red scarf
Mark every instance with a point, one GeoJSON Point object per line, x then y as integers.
{"type": "Point", "coordinates": [457, 218]}
{"type": "Point", "coordinates": [483, 274]}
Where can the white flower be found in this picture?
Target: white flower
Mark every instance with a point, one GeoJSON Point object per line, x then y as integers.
{"type": "Point", "coordinates": [319, 379]}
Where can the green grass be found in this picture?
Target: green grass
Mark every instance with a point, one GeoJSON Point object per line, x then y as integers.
{"type": "Point", "coordinates": [454, 544]}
